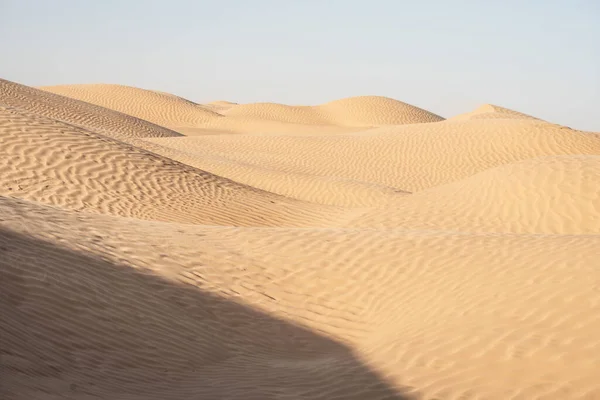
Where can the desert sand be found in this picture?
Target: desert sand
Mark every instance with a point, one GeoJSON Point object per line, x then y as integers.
{"type": "Point", "coordinates": [156, 248]}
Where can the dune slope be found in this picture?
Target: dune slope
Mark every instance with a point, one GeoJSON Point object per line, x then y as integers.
{"type": "Point", "coordinates": [163, 109]}
{"type": "Point", "coordinates": [559, 194]}
{"type": "Point", "coordinates": [77, 113]}
{"type": "Point", "coordinates": [140, 310]}
{"type": "Point", "coordinates": [409, 158]}
{"type": "Point", "coordinates": [59, 164]}
{"type": "Point", "coordinates": [313, 187]}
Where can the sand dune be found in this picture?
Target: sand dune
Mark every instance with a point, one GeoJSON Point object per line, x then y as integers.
{"type": "Point", "coordinates": [160, 108]}
{"type": "Point", "coordinates": [355, 111]}
{"type": "Point", "coordinates": [559, 194]}
{"type": "Point", "coordinates": [55, 163]}
{"type": "Point", "coordinates": [264, 127]}
{"type": "Point", "coordinates": [361, 249]}
{"type": "Point", "coordinates": [447, 315]}
{"type": "Point", "coordinates": [313, 187]}
{"type": "Point", "coordinates": [189, 118]}
{"type": "Point", "coordinates": [409, 158]}
{"type": "Point", "coordinates": [77, 113]}
{"type": "Point", "coordinates": [220, 106]}
{"type": "Point", "coordinates": [490, 111]}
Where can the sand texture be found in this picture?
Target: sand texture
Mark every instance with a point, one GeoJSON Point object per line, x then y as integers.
{"type": "Point", "coordinates": [78, 113]}
{"type": "Point", "coordinates": [155, 248]}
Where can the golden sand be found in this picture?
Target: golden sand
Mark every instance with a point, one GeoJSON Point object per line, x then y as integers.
{"type": "Point", "coordinates": [155, 248]}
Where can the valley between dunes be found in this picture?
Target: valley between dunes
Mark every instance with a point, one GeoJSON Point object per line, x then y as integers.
{"type": "Point", "coordinates": [365, 248]}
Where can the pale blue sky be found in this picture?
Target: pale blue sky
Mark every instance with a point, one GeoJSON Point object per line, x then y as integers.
{"type": "Point", "coordinates": [448, 56]}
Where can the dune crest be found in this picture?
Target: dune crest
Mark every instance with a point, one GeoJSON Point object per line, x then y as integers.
{"type": "Point", "coordinates": [354, 111]}
{"type": "Point", "coordinates": [187, 117]}
{"type": "Point", "coordinates": [490, 111]}
{"type": "Point", "coordinates": [157, 107]}
{"type": "Point", "coordinates": [220, 106]}
{"type": "Point", "coordinates": [77, 113]}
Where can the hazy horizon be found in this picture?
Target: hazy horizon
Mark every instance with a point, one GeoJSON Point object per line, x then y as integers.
{"type": "Point", "coordinates": [540, 58]}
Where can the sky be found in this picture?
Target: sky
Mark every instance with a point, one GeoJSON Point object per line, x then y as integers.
{"type": "Point", "coordinates": [447, 56]}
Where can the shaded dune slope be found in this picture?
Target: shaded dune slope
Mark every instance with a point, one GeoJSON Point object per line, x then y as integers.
{"type": "Point", "coordinates": [505, 304]}
{"type": "Point", "coordinates": [82, 320]}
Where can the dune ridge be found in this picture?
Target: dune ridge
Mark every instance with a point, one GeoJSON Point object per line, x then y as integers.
{"type": "Point", "coordinates": [163, 109]}
{"type": "Point", "coordinates": [78, 113]}
{"type": "Point", "coordinates": [360, 249]}
{"type": "Point", "coordinates": [490, 111]}
{"type": "Point", "coordinates": [354, 111]}
{"type": "Point", "coordinates": [185, 116]}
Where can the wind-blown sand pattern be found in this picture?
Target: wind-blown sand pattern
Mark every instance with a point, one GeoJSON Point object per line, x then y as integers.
{"type": "Point", "coordinates": [393, 257]}
{"type": "Point", "coordinates": [78, 113]}
{"type": "Point", "coordinates": [54, 163]}
{"type": "Point", "coordinates": [160, 108]}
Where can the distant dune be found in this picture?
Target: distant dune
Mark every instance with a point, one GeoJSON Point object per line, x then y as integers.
{"type": "Point", "coordinates": [490, 111]}
{"type": "Point", "coordinates": [354, 111]}
{"type": "Point", "coordinates": [187, 117]}
{"type": "Point", "coordinates": [155, 248]}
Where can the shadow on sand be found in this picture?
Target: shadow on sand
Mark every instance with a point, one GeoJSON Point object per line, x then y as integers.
{"type": "Point", "coordinates": [81, 327]}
